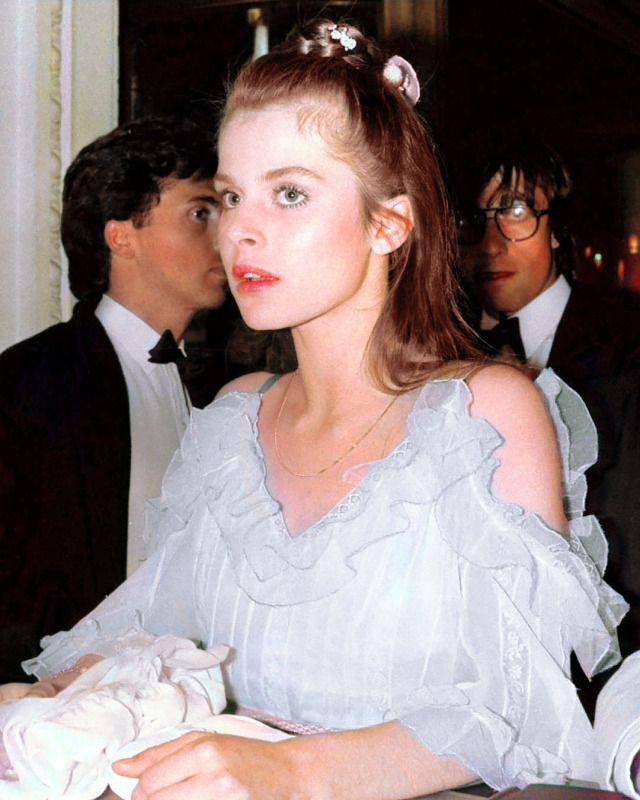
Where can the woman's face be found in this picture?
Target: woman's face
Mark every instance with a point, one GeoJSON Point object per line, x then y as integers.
{"type": "Point", "coordinates": [293, 236]}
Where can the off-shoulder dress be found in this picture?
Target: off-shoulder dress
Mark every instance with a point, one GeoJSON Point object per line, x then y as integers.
{"type": "Point", "coordinates": [420, 597]}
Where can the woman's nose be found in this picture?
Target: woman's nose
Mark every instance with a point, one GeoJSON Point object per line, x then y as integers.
{"type": "Point", "coordinates": [241, 226]}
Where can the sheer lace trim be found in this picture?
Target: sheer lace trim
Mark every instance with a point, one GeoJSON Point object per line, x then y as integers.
{"type": "Point", "coordinates": [444, 447]}
{"type": "Point", "coordinates": [447, 454]}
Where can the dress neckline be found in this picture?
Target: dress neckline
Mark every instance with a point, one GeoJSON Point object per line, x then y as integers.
{"type": "Point", "coordinates": [352, 496]}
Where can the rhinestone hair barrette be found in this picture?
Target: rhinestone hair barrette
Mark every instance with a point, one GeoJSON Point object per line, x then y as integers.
{"type": "Point", "coordinates": [399, 73]}
{"type": "Point", "coordinates": [340, 34]}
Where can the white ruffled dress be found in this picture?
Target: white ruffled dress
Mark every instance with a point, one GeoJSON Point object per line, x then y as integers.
{"type": "Point", "coordinates": [421, 597]}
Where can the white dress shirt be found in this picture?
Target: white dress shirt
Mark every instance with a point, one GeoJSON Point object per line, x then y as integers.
{"type": "Point", "coordinates": [159, 411]}
{"type": "Point", "coordinates": [538, 321]}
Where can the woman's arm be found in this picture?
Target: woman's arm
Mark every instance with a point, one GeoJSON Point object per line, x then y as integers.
{"type": "Point", "coordinates": [530, 471]}
{"type": "Point", "coordinates": [380, 762]}
{"type": "Point", "coordinates": [383, 761]}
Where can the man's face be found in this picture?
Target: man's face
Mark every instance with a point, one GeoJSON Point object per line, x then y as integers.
{"type": "Point", "coordinates": [176, 267]}
{"type": "Point", "coordinates": [506, 275]}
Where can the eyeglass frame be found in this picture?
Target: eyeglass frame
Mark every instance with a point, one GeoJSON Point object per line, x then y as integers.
{"type": "Point", "coordinates": [537, 213]}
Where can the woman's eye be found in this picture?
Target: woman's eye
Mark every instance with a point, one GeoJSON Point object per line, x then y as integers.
{"type": "Point", "coordinates": [290, 196]}
{"type": "Point", "coordinates": [229, 199]}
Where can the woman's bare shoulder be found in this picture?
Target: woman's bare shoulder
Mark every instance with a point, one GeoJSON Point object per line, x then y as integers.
{"type": "Point", "coordinates": [514, 405]}
{"type": "Point", "coordinates": [499, 389]}
{"type": "Point", "coordinates": [245, 383]}
{"type": "Point", "coordinates": [530, 471]}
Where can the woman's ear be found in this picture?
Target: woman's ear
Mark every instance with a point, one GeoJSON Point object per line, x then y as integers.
{"type": "Point", "coordinates": [117, 236]}
{"type": "Point", "coordinates": [391, 224]}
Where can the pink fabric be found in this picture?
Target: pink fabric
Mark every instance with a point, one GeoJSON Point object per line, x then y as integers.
{"type": "Point", "coordinates": [286, 725]}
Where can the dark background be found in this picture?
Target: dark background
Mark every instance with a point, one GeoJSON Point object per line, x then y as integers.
{"type": "Point", "coordinates": [573, 80]}
{"type": "Point", "coordinates": [569, 70]}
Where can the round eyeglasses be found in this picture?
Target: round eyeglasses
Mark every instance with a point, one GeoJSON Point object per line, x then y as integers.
{"type": "Point", "coordinates": [516, 223]}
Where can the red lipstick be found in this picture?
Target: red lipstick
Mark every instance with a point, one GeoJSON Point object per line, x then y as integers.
{"type": "Point", "coordinates": [252, 279]}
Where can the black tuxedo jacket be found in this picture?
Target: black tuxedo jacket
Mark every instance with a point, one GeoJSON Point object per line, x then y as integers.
{"type": "Point", "coordinates": [596, 350]}
{"type": "Point", "coordinates": [64, 482]}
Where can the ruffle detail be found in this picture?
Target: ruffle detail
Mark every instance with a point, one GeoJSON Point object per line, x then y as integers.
{"type": "Point", "coordinates": [444, 446]}
{"type": "Point", "coordinates": [270, 565]}
{"type": "Point", "coordinates": [446, 457]}
{"type": "Point", "coordinates": [583, 607]}
{"type": "Point", "coordinates": [578, 439]}
{"type": "Point", "coordinates": [505, 599]}
{"type": "Point", "coordinates": [276, 569]}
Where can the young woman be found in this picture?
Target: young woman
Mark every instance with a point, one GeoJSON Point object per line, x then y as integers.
{"type": "Point", "coordinates": [379, 534]}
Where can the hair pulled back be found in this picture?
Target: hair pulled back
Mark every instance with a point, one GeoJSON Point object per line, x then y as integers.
{"type": "Point", "coordinates": [368, 123]}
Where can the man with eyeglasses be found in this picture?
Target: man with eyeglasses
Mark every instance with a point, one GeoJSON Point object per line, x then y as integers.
{"type": "Point", "coordinates": [516, 254]}
{"type": "Point", "coordinates": [516, 250]}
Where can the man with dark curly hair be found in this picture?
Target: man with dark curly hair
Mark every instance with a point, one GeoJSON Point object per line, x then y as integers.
{"type": "Point", "coordinates": [88, 424]}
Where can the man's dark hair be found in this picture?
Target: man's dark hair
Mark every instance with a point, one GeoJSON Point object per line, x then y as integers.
{"type": "Point", "coordinates": [526, 156]}
{"type": "Point", "coordinates": [120, 176]}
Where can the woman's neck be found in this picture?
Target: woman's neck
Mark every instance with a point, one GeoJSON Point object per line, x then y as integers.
{"type": "Point", "coordinates": [332, 366]}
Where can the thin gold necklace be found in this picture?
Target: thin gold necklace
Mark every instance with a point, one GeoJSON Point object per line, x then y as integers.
{"type": "Point", "coordinates": [337, 460]}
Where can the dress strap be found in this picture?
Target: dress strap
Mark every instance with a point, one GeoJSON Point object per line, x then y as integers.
{"type": "Point", "coordinates": [267, 384]}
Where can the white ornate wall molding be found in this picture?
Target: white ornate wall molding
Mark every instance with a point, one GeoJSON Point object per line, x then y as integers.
{"type": "Point", "coordinates": [18, 58]}
{"type": "Point", "coordinates": [58, 91]}
{"type": "Point", "coordinates": [55, 310]}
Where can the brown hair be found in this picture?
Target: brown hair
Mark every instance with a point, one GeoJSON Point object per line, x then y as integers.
{"type": "Point", "coordinates": [122, 175]}
{"type": "Point", "coordinates": [516, 154]}
{"type": "Point", "coordinates": [369, 124]}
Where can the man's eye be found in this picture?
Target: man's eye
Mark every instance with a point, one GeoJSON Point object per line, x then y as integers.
{"type": "Point", "coordinates": [290, 196]}
{"type": "Point", "coordinates": [515, 212]}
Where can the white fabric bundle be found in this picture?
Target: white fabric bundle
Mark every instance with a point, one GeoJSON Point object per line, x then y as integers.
{"type": "Point", "coordinates": [62, 747]}
{"type": "Point", "coordinates": [617, 727]}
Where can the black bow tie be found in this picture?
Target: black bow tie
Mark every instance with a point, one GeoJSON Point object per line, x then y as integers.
{"type": "Point", "coordinates": [167, 351]}
{"type": "Point", "coordinates": [506, 334]}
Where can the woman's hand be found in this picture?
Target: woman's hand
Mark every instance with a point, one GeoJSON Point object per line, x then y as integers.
{"type": "Point", "coordinates": [14, 691]}
{"type": "Point", "coordinates": [383, 761]}
{"type": "Point", "coordinates": [53, 684]}
{"type": "Point", "coordinates": [200, 766]}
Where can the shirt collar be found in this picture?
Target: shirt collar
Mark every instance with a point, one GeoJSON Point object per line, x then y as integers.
{"type": "Point", "coordinates": [539, 318]}
{"type": "Point", "coordinates": [127, 332]}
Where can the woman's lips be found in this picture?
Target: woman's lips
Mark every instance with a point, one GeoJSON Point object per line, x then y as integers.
{"type": "Point", "coordinates": [251, 279]}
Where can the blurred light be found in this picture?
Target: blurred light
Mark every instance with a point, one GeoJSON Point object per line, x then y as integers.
{"type": "Point", "coordinates": [634, 244]}
{"type": "Point", "coordinates": [256, 18]}
{"type": "Point", "coordinates": [598, 260]}
{"type": "Point", "coordinates": [587, 252]}
{"type": "Point", "coordinates": [621, 271]}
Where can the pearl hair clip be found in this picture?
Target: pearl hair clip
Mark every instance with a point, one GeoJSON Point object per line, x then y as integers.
{"type": "Point", "coordinates": [399, 73]}
{"type": "Point", "coordinates": [340, 33]}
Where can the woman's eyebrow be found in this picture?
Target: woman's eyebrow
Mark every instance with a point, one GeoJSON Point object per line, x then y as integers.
{"type": "Point", "coordinates": [274, 174]}
{"type": "Point", "coordinates": [282, 172]}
